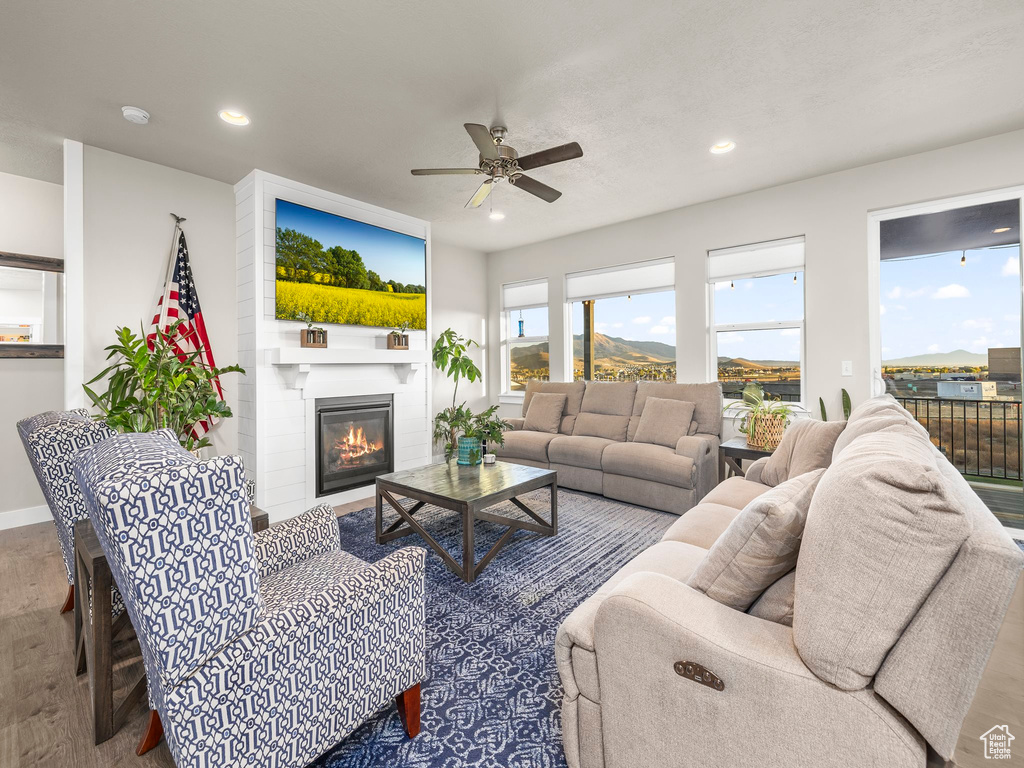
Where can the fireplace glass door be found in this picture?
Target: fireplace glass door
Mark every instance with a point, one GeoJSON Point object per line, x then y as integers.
{"type": "Point", "coordinates": [354, 442]}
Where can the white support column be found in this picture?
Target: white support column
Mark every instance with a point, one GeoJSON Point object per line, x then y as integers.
{"type": "Point", "coordinates": [74, 274]}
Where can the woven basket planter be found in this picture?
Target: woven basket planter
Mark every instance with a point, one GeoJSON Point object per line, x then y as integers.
{"type": "Point", "coordinates": [766, 432]}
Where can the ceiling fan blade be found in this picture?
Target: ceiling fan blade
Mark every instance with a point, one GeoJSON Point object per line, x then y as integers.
{"type": "Point", "coordinates": [443, 171]}
{"type": "Point", "coordinates": [548, 156]}
{"type": "Point", "coordinates": [481, 136]}
{"type": "Point", "coordinates": [534, 187]}
{"type": "Point", "coordinates": [480, 195]}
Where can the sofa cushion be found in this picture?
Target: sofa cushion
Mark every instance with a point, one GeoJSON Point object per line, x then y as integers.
{"type": "Point", "coordinates": [735, 492]}
{"type": "Point", "coordinates": [573, 391]}
{"type": "Point", "coordinates": [706, 398]}
{"type": "Point", "coordinates": [601, 425]}
{"type": "Point", "coordinates": [664, 421]}
{"type": "Point", "coordinates": [612, 398]}
{"type": "Point", "coordinates": [649, 462]}
{"type": "Point", "coordinates": [806, 445]}
{"type": "Point", "coordinates": [545, 412]}
{"type": "Point", "coordinates": [776, 603]}
{"type": "Point", "coordinates": [702, 525]}
{"type": "Point", "coordinates": [520, 444]}
{"type": "Point", "coordinates": [578, 451]}
{"type": "Point", "coordinates": [759, 546]}
{"type": "Point", "coordinates": [883, 528]}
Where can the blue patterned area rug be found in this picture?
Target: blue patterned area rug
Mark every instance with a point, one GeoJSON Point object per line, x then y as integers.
{"type": "Point", "coordinates": [492, 695]}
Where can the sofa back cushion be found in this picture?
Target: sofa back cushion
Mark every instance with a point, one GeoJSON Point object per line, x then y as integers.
{"type": "Point", "coordinates": [606, 409]}
{"type": "Point", "coordinates": [759, 547]}
{"type": "Point", "coordinates": [706, 399]}
{"type": "Point", "coordinates": [178, 536]}
{"type": "Point", "coordinates": [882, 529]}
{"type": "Point", "coordinates": [776, 603]}
{"type": "Point", "coordinates": [806, 445]}
{"type": "Point", "coordinates": [545, 412]}
{"type": "Point", "coordinates": [875, 415]}
{"type": "Point", "coordinates": [664, 421]}
{"type": "Point", "coordinates": [573, 391]}
{"type": "Point", "coordinates": [932, 672]}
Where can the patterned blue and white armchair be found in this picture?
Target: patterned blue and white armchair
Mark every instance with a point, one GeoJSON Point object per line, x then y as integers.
{"type": "Point", "coordinates": [261, 650]}
{"type": "Point", "coordinates": [52, 441]}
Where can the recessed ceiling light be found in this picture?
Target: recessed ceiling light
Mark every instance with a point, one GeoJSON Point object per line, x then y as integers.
{"type": "Point", "coordinates": [135, 115]}
{"type": "Point", "coordinates": [496, 215]}
{"type": "Point", "coordinates": [1000, 230]}
{"type": "Point", "coordinates": [722, 147]}
{"type": "Point", "coordinates": [233, 117]}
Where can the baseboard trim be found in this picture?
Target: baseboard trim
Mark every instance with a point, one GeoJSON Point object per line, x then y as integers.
{"type": "Point", "coordinates": [15, 518]}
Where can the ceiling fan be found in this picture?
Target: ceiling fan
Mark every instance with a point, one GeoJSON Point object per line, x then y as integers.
{"type": "Point", "coordinates": [499, 161]}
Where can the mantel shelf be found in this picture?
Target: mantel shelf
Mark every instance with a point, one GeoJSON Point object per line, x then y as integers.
{"type": "Point", "coordinates": [299, 361]}
{"type": "Point", "coordinates": [336, 356]}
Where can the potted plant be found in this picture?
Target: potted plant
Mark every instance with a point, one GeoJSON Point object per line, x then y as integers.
{"type": "Point", "coordinates": [399, 338]}
{"type": "Point", "coordinates": [457, 427]}
{"type": "Point", "coordinates": [153, 386]}
{"type": "Point", "coordinates": [311, 336]}
{"type": "Point", "coordinates": [764, 419]}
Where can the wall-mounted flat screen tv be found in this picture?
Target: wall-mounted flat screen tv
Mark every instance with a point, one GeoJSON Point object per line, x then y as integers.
{"type": "Point", "coordinates": [331, 269]}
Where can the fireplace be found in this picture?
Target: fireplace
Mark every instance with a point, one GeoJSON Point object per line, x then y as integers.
{"type": "Point", "coordinates": [354, 441]}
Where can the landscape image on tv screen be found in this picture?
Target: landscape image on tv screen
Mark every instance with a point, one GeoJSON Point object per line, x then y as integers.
{"type": "Point", "coordinates": [336, 270]}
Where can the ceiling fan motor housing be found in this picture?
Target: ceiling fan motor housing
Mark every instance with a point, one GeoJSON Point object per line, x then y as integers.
{"type": "Point", "coordinates": [505, 166]}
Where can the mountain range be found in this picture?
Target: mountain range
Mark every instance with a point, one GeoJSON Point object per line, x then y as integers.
{"type": "Point", "coordinates": [940, 359]}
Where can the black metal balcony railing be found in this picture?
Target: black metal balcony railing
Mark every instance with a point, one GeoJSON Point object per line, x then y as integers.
{"type": "Point", "coordinates": [981, 438]}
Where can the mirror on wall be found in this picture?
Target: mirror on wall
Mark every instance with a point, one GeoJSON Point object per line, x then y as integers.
{"type": "Point", "coordinates": [31, 306]}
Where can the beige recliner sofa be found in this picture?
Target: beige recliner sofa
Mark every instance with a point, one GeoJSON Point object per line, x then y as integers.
{"type": "Point", "coordinates": [625, 705]}
{"type": "Point", "coordinates": [594, 449]}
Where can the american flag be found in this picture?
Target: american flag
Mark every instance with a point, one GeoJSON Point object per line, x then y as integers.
{"type": "Point", "coordinates": [180, 301]}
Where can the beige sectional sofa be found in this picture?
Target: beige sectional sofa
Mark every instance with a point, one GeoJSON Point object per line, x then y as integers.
{"type": "Point", "coordinates": [843, 679]}
{"type": "Point", "coordinates": [594, 449]}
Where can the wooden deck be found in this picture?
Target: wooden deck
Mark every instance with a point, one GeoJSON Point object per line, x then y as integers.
{"type": "Point", "coordinates": [1006, 503]}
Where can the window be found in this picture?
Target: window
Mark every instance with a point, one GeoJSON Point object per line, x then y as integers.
{"type": "Point", "coordinates": [756, 301]}
{"type": "Point", "coordinates": [624, 322]}
{"type": "Point", "coordinates": [525, 333]}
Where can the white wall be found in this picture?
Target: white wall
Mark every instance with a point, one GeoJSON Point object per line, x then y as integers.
{"type": "Point", "coordinates": [128, 231]}
{"type": "Point", "coordinates": [458, 296]}
{"type": "Point", "coordinates": [830, 211]}
{"type": "Point", "coordinates": [31, 222]}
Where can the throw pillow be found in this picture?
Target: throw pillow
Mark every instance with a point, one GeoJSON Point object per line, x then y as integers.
{"type": "Point", "coordinates": [545, 412]}
{"type": "Point", "coordinates": [806, 445]}
{"type": "Point", "coordinates": [776, 603]}
{"type": "Point", "coordinates": [882, 530]}
{"type": "Point", "coordinates": [759, 546]}
{"type": "Point", "coordinates": [663, 421]}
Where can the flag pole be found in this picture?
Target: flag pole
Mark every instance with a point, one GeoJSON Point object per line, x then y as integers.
{"type": "Point", "coordinates": [162, 323]}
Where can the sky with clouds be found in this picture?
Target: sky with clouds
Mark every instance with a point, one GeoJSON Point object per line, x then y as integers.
{"type": "Point", "coordinates": [933, 304]}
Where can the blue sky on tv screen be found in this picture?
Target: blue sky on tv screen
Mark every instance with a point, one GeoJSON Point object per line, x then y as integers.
{"type": "Point", "coordinates": [391, 255]}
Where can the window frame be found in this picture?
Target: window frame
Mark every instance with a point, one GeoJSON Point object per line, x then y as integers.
{"type": "Point", "coordinates": [775, 325]}
{"type": "Point", "coordinates": [508, 338]}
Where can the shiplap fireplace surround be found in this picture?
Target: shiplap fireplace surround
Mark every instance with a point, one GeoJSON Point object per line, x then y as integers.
{"type": "Point", "coordinates": [276, 400]}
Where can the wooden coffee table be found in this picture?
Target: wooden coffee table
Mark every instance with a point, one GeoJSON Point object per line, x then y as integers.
{"type": "Point", "coordinates": [467, 491]}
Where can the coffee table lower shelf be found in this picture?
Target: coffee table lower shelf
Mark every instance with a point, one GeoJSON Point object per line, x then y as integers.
{"type": "Point", "coordinates": [467, 491]}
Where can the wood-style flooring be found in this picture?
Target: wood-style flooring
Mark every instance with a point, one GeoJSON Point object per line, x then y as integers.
{"type": "Point", "coordinates": [45, 718]}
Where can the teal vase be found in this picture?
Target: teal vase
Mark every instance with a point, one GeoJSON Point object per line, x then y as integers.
{"type": "Point", "coordinates": [470, 451]}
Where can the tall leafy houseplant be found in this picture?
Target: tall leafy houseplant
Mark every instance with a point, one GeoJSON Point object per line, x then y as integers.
{"type": "Point", "coordinates": [847, 406]}
{"type": "Point", "coordinates": [153, 388]}
{"type": "Point", "coordinates": [763, 419]}
{"type": "Point", "coordinates": [457, 423]}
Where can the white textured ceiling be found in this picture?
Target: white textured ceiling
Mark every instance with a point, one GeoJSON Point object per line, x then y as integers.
{"type": "Point", "coordinates": [350, 96]}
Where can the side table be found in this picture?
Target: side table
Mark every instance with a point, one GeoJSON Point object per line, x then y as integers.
{"type": "Point", "coordinates": [732, 452]}
{"type": "Point", "coordinates": [95, 630]}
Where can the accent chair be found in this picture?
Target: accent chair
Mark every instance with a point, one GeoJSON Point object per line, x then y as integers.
{"type": "Point", "coordinates": [261, 650]}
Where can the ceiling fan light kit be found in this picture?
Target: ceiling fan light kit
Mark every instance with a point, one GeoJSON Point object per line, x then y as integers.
{"type": "Point", "coordinates": [500, 162]}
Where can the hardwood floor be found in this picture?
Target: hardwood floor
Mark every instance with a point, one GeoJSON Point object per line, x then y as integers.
{"type": "Point", "coordinates": [44, 711]}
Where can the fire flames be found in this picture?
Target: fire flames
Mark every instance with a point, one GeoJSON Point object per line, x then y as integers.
{"type": "Point", "coordinates": [354, 445]}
